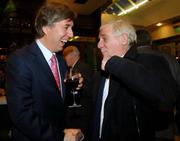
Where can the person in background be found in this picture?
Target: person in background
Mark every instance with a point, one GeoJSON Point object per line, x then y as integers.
{"type": "Point", "coordinates": [2, 80]}
{"type": "Point", "coordinates": [5, 126]}
{"type": "Point", "coordinates": [144, 45]}
{"type": "Point", "coordinates": [35, 80]}
{"type": "Point", "coordinates": [80, 117]}
{"type": "Point", "coordinates": [130, 87]}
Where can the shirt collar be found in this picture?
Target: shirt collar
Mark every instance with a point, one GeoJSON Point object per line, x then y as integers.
{"type": "Point", "coordinates": [46, 52]}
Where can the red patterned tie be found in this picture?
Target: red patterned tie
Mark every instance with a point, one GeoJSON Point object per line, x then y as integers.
{"type": "Point", "coordinates": [54, 69]}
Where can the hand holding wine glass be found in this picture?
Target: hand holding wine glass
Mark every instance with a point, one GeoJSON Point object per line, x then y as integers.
{"type": "Point", "coordinates": [73, 82]}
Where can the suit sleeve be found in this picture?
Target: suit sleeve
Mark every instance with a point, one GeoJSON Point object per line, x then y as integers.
{"type": "Point", "coordinates": [21, 106]}
{"type": "Point", "coordinates": [153, 84]}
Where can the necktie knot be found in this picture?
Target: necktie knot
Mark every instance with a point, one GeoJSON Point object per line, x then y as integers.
{"type": "Point", "coordinates": [53, 60]}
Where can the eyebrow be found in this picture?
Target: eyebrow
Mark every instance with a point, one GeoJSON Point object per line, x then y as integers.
{"type": "Point", "coordinates": [103, 35]}
{"type": "Point", "coordinates": [69, 25]}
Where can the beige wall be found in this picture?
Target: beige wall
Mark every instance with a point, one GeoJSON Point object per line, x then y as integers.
{"type": "Point", "coordinates": [164, 32]}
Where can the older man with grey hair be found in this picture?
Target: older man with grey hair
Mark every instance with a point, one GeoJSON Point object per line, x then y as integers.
{"type": "Point", "coordinates": [131, 87]}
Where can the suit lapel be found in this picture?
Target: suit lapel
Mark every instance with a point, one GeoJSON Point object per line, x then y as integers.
{"type": "Point", "coordinates": [113, 90]}
{"type": "Point", "coordinates": [42, 64]}
{"type": "Point", "coordinates": [97, 114]}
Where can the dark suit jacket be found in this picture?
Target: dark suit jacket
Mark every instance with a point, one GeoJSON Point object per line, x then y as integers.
{"type": "Point", "coordinates": [34, 100]}
{"type": "Point", "coordinates": [172, 62]}
{"type": "Point", "coordinates": [175, 71]}
{"type": "Point", "coordinates": [80, 117]}
{"type": "Point", "coordinates": [138, 84]}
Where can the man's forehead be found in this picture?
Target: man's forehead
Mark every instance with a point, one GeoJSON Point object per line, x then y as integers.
{"type": "Point", "coordinates": [68, 21]}
{"type": "Point", "coordinates": [105, 32]}
{"type": "Point", "coordinates": [105, 28]}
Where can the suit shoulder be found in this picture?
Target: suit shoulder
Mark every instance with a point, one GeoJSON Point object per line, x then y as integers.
{"type": "Point", "coordinates": [151, 57]}
{"type": "Point", "coordinates": [153, 61]}
{"type": "Point", "coordinates": [21, 54]}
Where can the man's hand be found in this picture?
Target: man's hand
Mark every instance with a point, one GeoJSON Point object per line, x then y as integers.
{"type": "Point", "coordinates": [104, 61]}
{"type": "Point", "coordinates": [73, 135]}
{"type": "Point", "coordinates": [76, 76]}
{"type": "Point", "coordinates": [81, 80]}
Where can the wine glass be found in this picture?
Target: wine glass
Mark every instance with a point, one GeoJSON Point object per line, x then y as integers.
{"type": "Point", "coordinates": [71, 82]}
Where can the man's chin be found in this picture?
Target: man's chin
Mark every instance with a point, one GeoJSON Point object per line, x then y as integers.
{"type": "Point", "coordinates": [60, 48]}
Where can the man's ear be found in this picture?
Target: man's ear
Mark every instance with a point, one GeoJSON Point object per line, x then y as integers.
{"type": "Point", "coordinates": [124, 38]}
{"type": "Point", "coordinates": [45, 29]}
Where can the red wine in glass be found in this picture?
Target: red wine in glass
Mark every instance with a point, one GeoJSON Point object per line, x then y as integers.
{"type": "Point", "coordinates": [71, 83]}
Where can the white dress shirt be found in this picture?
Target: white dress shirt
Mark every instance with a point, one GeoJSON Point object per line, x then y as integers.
{"type": "Point", "coordinates": [105, 94]}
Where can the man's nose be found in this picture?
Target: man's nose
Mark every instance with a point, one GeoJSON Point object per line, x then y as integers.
{"type": "Point", "coordinates": [100, 44]}
{"type": "Point", "coordinates": [70, 33]}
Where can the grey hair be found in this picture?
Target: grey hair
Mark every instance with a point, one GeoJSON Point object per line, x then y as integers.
{"type": "Point", "coordinates": [121, 26]}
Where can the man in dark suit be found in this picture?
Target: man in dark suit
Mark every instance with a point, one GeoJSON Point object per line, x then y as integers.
{"type": "Point", "coordinates": [144, 45]}
{"type": "Point", "coordinates": [35, 88]}
{"type": "Point", "coordinates": [80, 117]}
{"type": "Point", "coordinates": [165, 124]}
{"type": "Point", "coordinates": [132, 87]}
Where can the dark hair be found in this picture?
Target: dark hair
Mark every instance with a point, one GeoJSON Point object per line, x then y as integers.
{"type": "Point", "coordinates": [50, 13]}
{"type": "Point", "coordinates": [143, 37]}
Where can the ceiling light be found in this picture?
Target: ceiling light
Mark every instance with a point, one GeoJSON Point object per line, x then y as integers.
{"type": "Point", "coordinates": [126, 6]}
{"type": "Point", "coordinates": [76, 37]}
{"type": "Point", "coordinates": [159, 24]}
{"type": "Point", "coordinates": [73, 38]}
{"type": "Point", "coordinates": [135, 6]}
